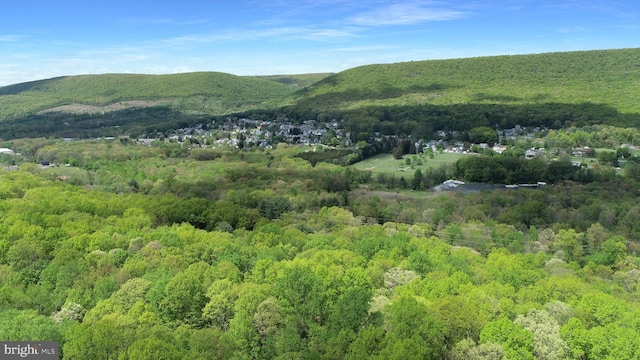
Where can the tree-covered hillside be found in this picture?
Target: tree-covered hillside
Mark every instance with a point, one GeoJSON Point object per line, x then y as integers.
{"type": "Point", "coordinates": [191, 246]}
{"type": "Point", "coordinates": [155, 252]}
{"type": "Point", "coordinates": [206, 92]}
{"type": "Point", "coordinates": [298, 81]}
{"type": "Point", "coordinates": [417, 99]}
{"type": "Point", "coordinates": [598, 77]}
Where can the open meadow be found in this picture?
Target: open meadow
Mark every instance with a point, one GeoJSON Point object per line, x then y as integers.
{"type": "Point", "coordinates": [386, 163]}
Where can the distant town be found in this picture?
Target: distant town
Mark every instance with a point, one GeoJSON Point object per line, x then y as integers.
{"type": "Point", "coordinates": [244, 132]}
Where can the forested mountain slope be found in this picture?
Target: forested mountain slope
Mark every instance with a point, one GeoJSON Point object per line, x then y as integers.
{"type": "Point", "coordinates": [119, 276]}
{"type": "Point", "coordinates": [299, 81]}
{"type": "Point", "coordinates": [210, 92]}
{"type": "Point", "coordinates": [415, 98]}
{"type": "Point", "coordinates": [600, 77]}
{"type": "Point", "coordinates": [169, 250]}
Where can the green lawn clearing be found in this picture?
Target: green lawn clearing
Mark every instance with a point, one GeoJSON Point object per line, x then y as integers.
{"type": "Point", "coordinates": [386, 163]}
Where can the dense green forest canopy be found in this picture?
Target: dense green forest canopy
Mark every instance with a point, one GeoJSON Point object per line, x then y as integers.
{"type": "Point", "coordinates": [141, 251]}
{"type": "Point", "coordinates": [177, 250]}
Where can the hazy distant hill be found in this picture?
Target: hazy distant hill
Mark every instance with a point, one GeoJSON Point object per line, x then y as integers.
{"type": "Point", "coordinates": [609, 77]}
{"type": "Point", "coordinates": [420, 97]}
{"type": "Point", "coordinates": [209, 92]}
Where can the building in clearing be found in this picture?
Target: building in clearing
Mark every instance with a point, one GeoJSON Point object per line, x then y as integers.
{"type": "Point", "coordinates": [6, 151]}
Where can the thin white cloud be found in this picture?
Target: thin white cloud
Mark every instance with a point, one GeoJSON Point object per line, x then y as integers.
{"type": "Point", "coordinates": [119, 51]}
{"type": "Point", "coordinates": [406, 13]}
{"type": "Point", "coordinates": [288, 8]}
{"type": "Point", "coordinates": [322, 34]}
{"type": "Point", "coordinates": [581, 5]}
{"type": "Point", "coordinates": [162, 21]}
{"type": "Point", "coordinates": [362, 48]}
{"type": "Point", "coordinates": [10, 38]}
{"type": "Point", "coordinates": [292, 33]}
{"type": "Point", "coordinates": [268, 34]}
{"type": "Point", "coordinates": [573, 29]}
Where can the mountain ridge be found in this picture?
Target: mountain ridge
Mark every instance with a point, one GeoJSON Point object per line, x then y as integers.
{"type": "Point", "coordinates": [214, 91]}
{"type": "Point", "coordinates": [596, 76]}
{"type": "Point", "coordinates": [418, 97]}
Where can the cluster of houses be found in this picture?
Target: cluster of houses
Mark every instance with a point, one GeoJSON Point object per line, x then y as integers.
{"type": "Point", "coordinates": [236, 132]}
{"type": "Point", "coordinates": [239, 132]}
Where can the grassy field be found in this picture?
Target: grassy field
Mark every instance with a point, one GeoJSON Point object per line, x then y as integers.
{"type": "Point", "coordinates": [386, 163]}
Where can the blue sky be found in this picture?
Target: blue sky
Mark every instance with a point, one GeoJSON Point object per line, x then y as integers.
{"type": "Point", "coordinates": [42, 39]}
